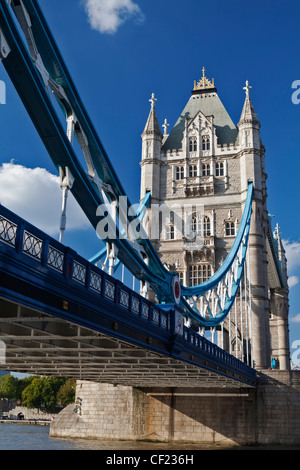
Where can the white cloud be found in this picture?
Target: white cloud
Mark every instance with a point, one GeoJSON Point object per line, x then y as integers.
{"type": "Point", "coordinates": [35, 195]}
{"type": "Point", "coordinates": [292, 251]}
{"type": "Point", "coordinates": [106, 16]}
{"type": "Point", "coordinates": [293, 281]}
{"type": "Point", "coordinates": [295, 319]}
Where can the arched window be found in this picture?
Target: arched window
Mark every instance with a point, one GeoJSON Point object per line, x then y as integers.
{"type": "Point", "coordinates": [193, 144]}
{"type": "Point", "coordinates": [206, 169]}
{"type": "Point", "coordinates": [206, 226]}
{"type": "Point", "coordinates": [201, 226]}
{"type": "Point", "coordinates": [199, 273]}
{"type": "Point", "coordinates": [170, 232]}
{"type": "Point", "coordinates": [229, 229]}
{"type": "Point", "coordinates": [192, 171]}
{"type": "Point", "coordinates": [179, 172]}
{"type": "Point", "coordinates": [220, 169]}
{"type": "Point", "coordinates": [181, 277]}
{"type": "Point", "coordinates": [206, 142]}
{"type": "Point", "coordinates": [196, 225]}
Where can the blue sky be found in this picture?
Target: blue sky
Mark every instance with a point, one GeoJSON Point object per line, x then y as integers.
{"type": "Point", "coordinates": [119, 55]}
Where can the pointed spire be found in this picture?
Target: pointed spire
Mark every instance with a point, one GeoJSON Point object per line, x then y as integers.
{"type": "Point", "coordinates": [152, 125]}
{"type": "Point", "coordinates": [248, 113]}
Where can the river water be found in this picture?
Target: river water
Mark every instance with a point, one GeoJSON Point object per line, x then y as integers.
{"type": "Point", "coordinates": [15, 437]}
{"type": "Point", "coordinates": [36, 437]}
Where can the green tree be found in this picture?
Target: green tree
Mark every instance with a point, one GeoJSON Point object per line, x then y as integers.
{"type": "Point", "coordinates": [42, 392]}
{"type": "Point", "coordinates": [23, 383]}
{"type": "Point", "coordinates": [32, 396]}
{"type": "Point", "coordinates": [51, 386]}
{"type": "Point", "coordinates": [8, 386]}
{"type": "Point", "coordinates": [66, 393]}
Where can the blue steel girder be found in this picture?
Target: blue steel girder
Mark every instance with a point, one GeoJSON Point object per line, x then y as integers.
{"type": "Point", "coordinates": [231, 271]}
{"type": "Point", "coordinates": [30, 72]}
{"type": "Point", "coordinates": [28, 83]}
{"type": "Point", "coordinates": [39, 273]}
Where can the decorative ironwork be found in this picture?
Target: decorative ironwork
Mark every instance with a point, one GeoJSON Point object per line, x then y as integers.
{"type": "Point", "coordinates": [155, 317]}
{"type": "Point", "coordinates": [55, 259]}
{"type": "Point", "coordinates": [163, 321]}
{"type": "Point", "coordinates": [204, 83]}
{"type": "Point", "coordinates": [79, 272]}
{"type": "Point", "coordinates": [95, 282]}
{"type": "Point", "coordinates": [135, 305]}
{"type": "Point", "coordinates": [8, 231]}
{"type": "Point", "coordinates": [32, 245]}
{"type": "Point", "coordinates": [124, 299]}
{"type": "Point", "coordinates": [109, 290]}
{"type": "Point", "coordinates": [145, 311]}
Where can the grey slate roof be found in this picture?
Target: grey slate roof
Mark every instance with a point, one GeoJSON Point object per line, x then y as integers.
{"type": "Point", "coordinates": [210, 105]}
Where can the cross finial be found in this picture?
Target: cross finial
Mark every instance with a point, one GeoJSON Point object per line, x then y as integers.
{"type": "Point", "coordinates": [152, 101]}
{"type": "Point", "coordinates": [247, 88]}
{"type": "Point", "coordinates": [165, 126]}
{"type": "Point", "coordinates": [203, 71]}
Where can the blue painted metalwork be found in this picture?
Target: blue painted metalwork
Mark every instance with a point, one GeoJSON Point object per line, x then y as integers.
{"type": "Point", "coordinates": [39, 272]}
{"type": "Point", "coordinates": [40, 109]}
{"type": "Point", "coordinates": [140, 213]}
{"type": "Point", "coordinates": [92, 191]}
{"type": "Point", "coordinates": [237, 254]}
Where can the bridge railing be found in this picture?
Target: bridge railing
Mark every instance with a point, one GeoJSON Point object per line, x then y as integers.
{"type": "Point", "coordinates": [35, 248]}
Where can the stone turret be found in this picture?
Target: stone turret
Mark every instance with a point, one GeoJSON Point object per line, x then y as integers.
{"type": "Point", "coordinates": [205, 159]}
{"type": "Point", "coordinates": [279, 308]}
{"type": "Point", "coordinates": [151, 149]}
{"type": "Point", "coordinates": [252, 168]}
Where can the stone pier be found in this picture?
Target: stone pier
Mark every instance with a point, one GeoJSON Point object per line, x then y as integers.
{"type": "Point", "coordinates": [268, 415]}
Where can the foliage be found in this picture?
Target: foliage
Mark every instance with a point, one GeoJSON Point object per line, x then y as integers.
{"type": "Point", "coordinates": [32, 394]}
{"type": "Point", "coordinates": [8, 386]}
{"type": "Point", "coordinates": [22, 384]}
{"type": "Point", "coordinates": [42, 392]}
{"type": "Point", "coordinates": [38, 392]}
{"type": "Point", "coordinates": [66, 393]}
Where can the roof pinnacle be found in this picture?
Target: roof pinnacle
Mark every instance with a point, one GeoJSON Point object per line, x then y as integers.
{"type": "Point", "coordinates": [204, 83]}
{"type": "Point", "coordinates": [152, 126]}
{"type": "Point", "coordinates": [247, 89]}
{"type": "Point", "coordinates": [153, 100]}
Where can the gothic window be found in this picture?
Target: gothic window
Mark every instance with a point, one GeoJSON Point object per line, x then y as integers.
{"type": "Point", "coordinates": [181, 277]}
{"type": "Point", "coordinates": [193, 144]}
{"type": "Point", "coordinates": [179, 172]}
{"type": "Point", "coordinates": [170, 232]}
{"type": "Point", "coordinates": [206, 169]}
{"type": "Point", "coordinates": [201, 226]}
{"type": "Point", "coordinates": [206, 226]}
{"type": "Point", "coordinates": [195, 225]}
{"type": "Point", "coordinates": [229, 229]}
{"type": "Point", "coordinates": [205, 142]}
{"type": "Point", "coordinates": [192, 171]}
{"type": "Point", "coordinates": [199, 273]}
{"type": "Point", "coordinates": [219, 169]}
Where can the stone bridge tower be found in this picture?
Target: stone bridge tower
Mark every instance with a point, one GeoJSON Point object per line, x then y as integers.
{"type": "Point", "coordinates": [206, 161]}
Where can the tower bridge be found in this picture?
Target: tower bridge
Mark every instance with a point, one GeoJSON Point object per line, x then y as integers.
{"type": "Point", "coordinates": [63, 316]}
{"type": "Point", "coordinates": [222, 270]}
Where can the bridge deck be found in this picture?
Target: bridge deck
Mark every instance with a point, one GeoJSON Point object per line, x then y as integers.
{"type": "Point", "coordinates": [61, 315]}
